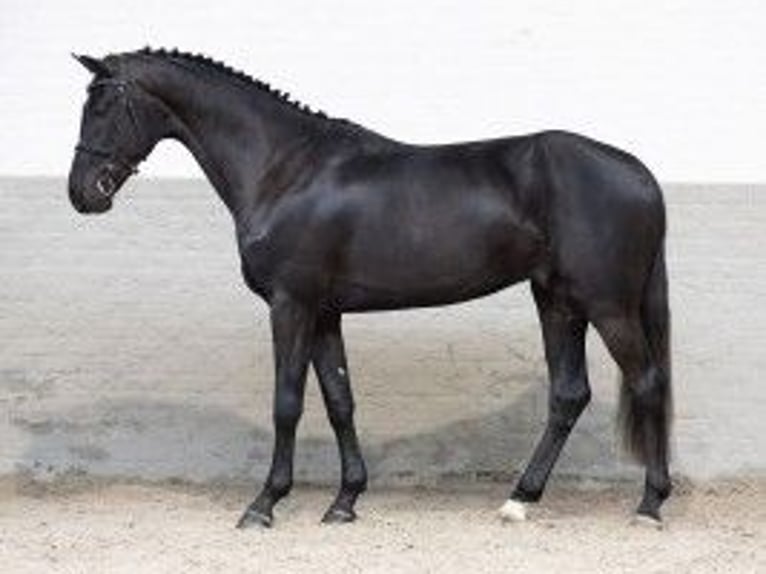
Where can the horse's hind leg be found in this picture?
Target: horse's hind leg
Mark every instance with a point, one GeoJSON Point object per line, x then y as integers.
{"type": "Point", "coordinates": [329, 360]}
{"type": "Point", "coordinates": [643, 407]}
{"type": "Point", "coordinates": [564, 329]}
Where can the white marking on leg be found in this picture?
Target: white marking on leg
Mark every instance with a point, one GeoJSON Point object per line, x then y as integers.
{"type": "Point", "coordinates": [513, 511]}
{"type": "Point", "coordinates": [341, 371]}
{"type": "Point", "coordinates": [645, 521]}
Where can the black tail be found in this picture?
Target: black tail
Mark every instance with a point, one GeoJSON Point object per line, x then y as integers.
{"type": "Point", "coordinates": [639, 418]}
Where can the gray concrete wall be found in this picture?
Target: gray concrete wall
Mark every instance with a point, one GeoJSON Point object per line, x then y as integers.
{"type": "Point", "coordinates": [129, 346]}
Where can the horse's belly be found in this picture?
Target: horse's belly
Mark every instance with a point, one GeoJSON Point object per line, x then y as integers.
{"type": "Point", "coordinates": [351, 296]}
{"type": "Point", "coordinates": [440, 275]}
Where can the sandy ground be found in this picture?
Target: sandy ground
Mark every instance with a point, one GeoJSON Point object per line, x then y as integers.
{"type": "Point", "coordinates": [85, 526]}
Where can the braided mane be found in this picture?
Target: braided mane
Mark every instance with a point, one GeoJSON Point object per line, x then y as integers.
{"type": "Point", "coordinates": [211, 64]}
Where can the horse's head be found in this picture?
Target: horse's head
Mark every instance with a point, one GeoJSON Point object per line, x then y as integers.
{"type": "Point", "coordinates": [116, 133]}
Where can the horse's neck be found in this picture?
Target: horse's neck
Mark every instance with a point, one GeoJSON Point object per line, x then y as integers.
{"type": "Point", "coordinates": [231, 131]}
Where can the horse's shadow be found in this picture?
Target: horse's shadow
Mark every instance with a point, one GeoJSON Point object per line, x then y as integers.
{"type": "Point", "coordinates": [160, 440]}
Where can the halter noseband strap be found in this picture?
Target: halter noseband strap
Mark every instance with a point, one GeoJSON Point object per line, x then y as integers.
{"type": "Point", "coordinates": [129, 166]}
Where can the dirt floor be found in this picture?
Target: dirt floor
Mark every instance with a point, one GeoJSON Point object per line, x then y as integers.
{"type": "Point", "coordinates": [85, 526]}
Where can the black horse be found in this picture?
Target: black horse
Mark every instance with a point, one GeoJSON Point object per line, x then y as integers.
{"type": "Point", "coordinates": [332, 218]}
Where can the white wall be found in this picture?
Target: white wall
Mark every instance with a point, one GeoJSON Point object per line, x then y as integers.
{"type": "Point", "coordinates": [680, 83]}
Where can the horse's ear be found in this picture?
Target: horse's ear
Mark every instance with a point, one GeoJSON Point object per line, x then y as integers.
{"type": "Point", "coordinates": [93, 65]}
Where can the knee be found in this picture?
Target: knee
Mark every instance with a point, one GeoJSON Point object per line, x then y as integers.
{"type": "Point", "coordinates": [341, 414]}
{"type": "Point", "coordinates": [339, 402]}
{"type": "Point", "coordinates": [288, 409]}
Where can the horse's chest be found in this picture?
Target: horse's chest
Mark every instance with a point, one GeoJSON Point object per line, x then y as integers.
{"type": "Point", "coordinates": [286, 259]}
{"type": "Point", "coordinates": [259, 261]}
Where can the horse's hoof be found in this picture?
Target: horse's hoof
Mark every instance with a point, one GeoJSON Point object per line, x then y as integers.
{"type": "Point", "coordinates": [513, 511]}
{"type": "Point", "coordinates": [648, 521]}
{"type": "Point", "coordinates": [338, 516]}
{"type": "Point", "coordinates": [253, 517]}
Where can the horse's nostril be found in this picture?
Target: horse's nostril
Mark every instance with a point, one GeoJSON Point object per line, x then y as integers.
{"type": "Point", "coordinates": [104, 185]}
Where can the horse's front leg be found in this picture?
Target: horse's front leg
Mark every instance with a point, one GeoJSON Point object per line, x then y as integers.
{"type": "Point", "coordinates": [293, 325]}
{"type": "Point", "coordinates": [329, 361]}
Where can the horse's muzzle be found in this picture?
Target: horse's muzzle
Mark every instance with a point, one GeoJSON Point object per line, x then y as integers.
{"type": "Point", "coordinates": [94, 202]}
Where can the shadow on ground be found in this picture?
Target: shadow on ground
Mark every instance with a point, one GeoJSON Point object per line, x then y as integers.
{"type": "Point", "coordinates": [203, 443]}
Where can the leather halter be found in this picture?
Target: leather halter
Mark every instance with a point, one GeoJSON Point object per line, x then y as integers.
{"type": "Point", "coordinates": [129, 166]}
